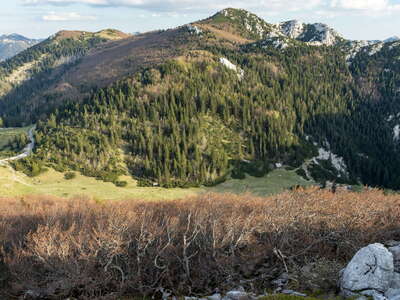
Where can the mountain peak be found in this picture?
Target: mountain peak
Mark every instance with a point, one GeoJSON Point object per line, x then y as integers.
{"type": "Point", "coordinates": [108, 34]}
{"type": "Point", "coordinates": [12, 44]}
{"type": "Point", "coordinates": [232, 12]}
{"type": "Point", "coordinates": [394, 38]}
{"type": "Point", "coordinates": [238, 22]}
{"type": "Point", "coordinates": [112, 34]}
{"type": "Point", "coordinates": [68, 34]}
{"type": "Point", "coordinates": [15, 37]}
{"type": "Point", "coordinates": [251, 27]}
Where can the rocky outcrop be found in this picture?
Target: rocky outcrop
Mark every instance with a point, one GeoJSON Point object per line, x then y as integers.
{"type": "Point", "coordinates": [292, 29]}
{"type": "Point", "coordinates": [374, 271]}
{"type": "Point", "coordinates": [314, 34]}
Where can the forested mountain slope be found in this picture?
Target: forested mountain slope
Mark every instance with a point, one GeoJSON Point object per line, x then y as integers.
{"type": "Point", "coordinates": [30, 81]}
{"type": "Point", "coordinates": [221, 97]}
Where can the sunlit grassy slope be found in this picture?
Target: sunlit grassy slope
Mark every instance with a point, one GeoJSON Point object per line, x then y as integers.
{"type": "Point", "coordinates": [273, 183]}
{"type": "Point", "coordinates": [53, 183]}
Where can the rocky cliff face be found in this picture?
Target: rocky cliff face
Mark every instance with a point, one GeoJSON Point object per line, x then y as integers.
{"type": "Point", "coordinates": [292, 29]}
{"type": "Point", "coordinates": [315, 34]}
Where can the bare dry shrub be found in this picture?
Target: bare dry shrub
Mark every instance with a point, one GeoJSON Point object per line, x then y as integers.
{"type": "Point", "coordinates": [318, 276]}
{"type": "Point", "coordinates": [62, 248]}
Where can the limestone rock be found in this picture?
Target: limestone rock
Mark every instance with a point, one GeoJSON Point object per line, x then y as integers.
{"type": "Point", "coordinates": [395, 283]}
{"type": "Point", "coordinates": [393, 294]}
{"type": "Point", "coordinates": [374, 294]}
{"type": "Point", "coordinates": [237, 295]}
{"type": "Point", "coordinates": [396, 257]}
{"type": "Point", "coordinates": [371, 268]}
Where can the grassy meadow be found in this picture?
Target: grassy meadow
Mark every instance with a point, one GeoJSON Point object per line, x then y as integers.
{"type": "Point", "coordinates": [273, 183]}
{"type": "Point", "coordinates": [53, 183]}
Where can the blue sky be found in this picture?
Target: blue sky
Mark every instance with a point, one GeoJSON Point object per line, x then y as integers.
{"type": "Point", "coordinates": [355, 19]}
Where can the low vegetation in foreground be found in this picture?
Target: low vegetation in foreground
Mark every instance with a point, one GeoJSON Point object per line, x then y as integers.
{"type": "Point", "coordinates": [84, 249]}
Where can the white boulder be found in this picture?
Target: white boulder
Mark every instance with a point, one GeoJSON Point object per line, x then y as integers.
{"type": "Point", "coordinates": [370, 270]}
{"type": "Point", "coordinates": [393, 294]}
{"type": "Point", "coordinates": [395, 283]}
{"type": "Point", "coordinates": [232, 67]}
{"type": "Point", "coordinates": [395, 250]}
{"type": "Point", "coordinates": [374, 295]}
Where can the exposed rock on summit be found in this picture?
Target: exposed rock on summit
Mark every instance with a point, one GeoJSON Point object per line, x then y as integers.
{"type": "Point", "coordinates": [315, 34]}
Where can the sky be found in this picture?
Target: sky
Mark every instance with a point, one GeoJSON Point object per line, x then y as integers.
{"type": "Point", "coordinates": [354, 19]}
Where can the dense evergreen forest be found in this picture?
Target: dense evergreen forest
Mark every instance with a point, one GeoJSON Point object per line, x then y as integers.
{"type": "Point", "coordinates": [193, 120]}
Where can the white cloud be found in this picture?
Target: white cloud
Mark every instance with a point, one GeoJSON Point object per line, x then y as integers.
{"type": "Point", "coordinates": [360, 4]}
{"type": "Point", "coordinates": [261, 6]}
{"type": "Point", "coordinates": [367, 6]}
{"type": "Point", "coordinates": [329, 7]}
{"type": "Point", "coordinates": [63, 17]}
{"type": "Point", "coordinates": [65, 2]}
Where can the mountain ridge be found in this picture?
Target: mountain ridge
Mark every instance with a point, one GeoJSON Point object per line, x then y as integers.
{"type": "Point", "coordinates": [45, 63]}
{"type": "Point", "coordinates": [226, 96]}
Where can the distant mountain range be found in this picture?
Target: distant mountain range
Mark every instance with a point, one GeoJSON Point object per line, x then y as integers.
{"type": "Point", "coordinates": [318, 33]}
{"type": "Point", "coordinates": [392, 39]}
{"type": "Point", "coordinates": [228, 96]}
{"type": "Point", "coordinates": [13, 44]}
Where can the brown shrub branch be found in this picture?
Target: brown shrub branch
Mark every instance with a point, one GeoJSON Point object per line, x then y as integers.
{"type": "Point", "coordinates": [80, 248]}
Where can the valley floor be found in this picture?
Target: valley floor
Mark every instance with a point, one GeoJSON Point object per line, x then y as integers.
{"type": "Point", "coordinates": [53, 183]}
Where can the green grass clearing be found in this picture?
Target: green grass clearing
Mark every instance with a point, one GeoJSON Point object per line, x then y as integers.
{"type": "Point", "coordinates": [53, 183]}
{"type": "Point", "coordinates": [273, 183]}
